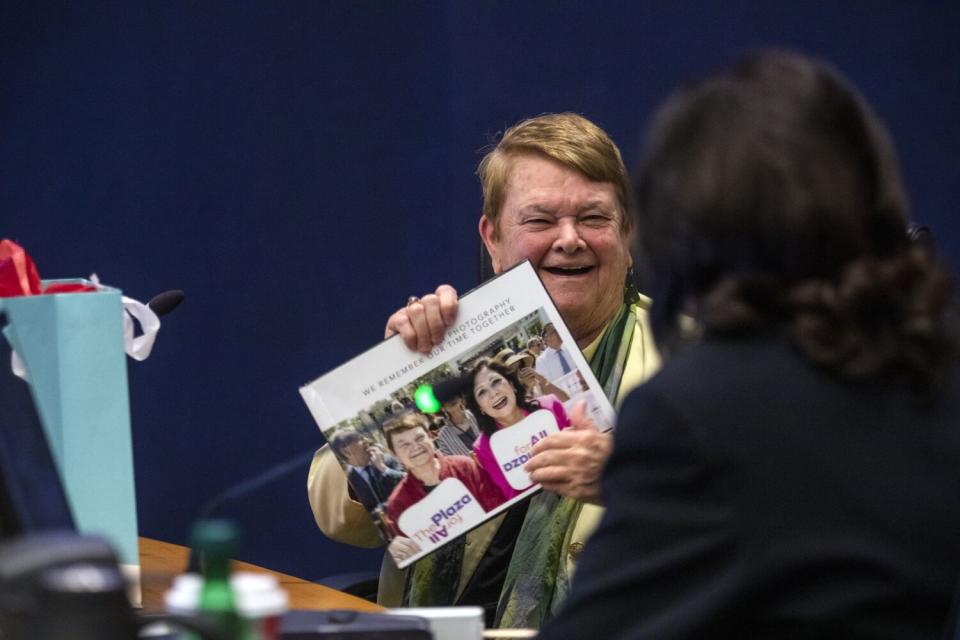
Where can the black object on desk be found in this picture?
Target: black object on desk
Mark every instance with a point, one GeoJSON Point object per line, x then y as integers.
{"type": "Point", "coordinates": [339, 624]}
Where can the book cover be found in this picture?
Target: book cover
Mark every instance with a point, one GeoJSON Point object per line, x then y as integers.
{"type": "Point", "coordinates": [434, 445]}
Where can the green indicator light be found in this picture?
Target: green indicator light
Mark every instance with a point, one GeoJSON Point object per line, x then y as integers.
{"type": "Point", "coordinates": [426, 401]}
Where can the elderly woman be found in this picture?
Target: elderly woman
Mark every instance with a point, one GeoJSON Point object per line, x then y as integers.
{"type": "Point", "coordinates": [409, 439]}
{"type": "Point", "coordinates": [555, 192]}
{"type": "Point", "coordinates": [498, 399]}
{"type": "Point", "coordinates": [794, 472]}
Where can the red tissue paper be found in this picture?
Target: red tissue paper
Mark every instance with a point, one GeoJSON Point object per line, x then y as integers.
{"type": "Point", "coordinates": [19, 277]}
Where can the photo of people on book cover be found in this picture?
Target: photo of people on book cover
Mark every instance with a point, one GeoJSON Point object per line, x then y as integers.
{"type": "Point", "coordinates": [443, 449]}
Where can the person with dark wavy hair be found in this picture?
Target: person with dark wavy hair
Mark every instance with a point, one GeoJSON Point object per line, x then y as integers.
{"type": "Point", "coordinates": [793, 470]}
{"type": "Point", "coordinates": [498, 399]}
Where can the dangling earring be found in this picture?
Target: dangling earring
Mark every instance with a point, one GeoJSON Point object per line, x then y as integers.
{"type": "Point", "coordinates": [630, 292]}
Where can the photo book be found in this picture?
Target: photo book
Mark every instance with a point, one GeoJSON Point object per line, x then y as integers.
{"type": "Point", "coordinates": [434, 445]}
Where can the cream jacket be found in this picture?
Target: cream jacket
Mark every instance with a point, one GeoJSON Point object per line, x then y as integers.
{"type": "Point", "coordinates": [345, 520]}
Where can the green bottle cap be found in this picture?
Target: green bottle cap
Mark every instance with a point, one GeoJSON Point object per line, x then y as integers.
{"type": "Point", "coordinates": [215, 538]}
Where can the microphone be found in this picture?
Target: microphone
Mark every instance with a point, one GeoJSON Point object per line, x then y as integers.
{"type": "Point", "coordinates": [165, 302]}
{"type": "Point", "coordinates": [245, 488]}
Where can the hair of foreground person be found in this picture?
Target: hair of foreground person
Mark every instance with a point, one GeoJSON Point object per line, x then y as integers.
{"type": "Point", "coordinates": [567, 138]}
{"type": "Point", "coordinates": [769, 195]}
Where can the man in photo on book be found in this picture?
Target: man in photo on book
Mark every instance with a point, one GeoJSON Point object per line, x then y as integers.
{"type": "Point", "coordinates": [555, 361]}
{"type": "Point", "coordinates": [371, 474]}
{"type": "Point", "coordinates": [461, 430]}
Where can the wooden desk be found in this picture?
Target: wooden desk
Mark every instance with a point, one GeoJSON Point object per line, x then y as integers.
{"type": "Point", "coordinates": [161, 561]}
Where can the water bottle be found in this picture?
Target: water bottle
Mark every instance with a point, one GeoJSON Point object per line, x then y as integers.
{"type": "Point", "coordinates": [216, 541]}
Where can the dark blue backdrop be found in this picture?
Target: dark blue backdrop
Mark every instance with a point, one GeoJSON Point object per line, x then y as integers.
{"type": "Point", "coordinates": [299, 168]}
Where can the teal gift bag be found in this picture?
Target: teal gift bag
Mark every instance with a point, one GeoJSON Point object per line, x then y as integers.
{"type": "Point", "coordinates": [72, 347]}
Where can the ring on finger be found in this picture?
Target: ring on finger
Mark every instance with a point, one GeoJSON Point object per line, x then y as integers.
{"type": "Point", "coordinates": [412, 299]}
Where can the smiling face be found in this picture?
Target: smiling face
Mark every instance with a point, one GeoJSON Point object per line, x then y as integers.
{"type": "Point", "coordinates": [414, 448]}
{"type": "Point", "coordinates": [496, 397]}
{"type": "Point", "coordinates": [570, 228]}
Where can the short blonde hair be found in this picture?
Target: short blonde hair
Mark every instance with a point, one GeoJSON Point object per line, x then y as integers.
{"type": "Point", "coordinates": [567, 138]}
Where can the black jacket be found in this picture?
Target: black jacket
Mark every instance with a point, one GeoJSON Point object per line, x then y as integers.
{"type": "Point", "coordinates": [750, 495]}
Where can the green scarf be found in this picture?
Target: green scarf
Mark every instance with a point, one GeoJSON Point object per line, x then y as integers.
{"type": "Point", "coordinates": [537, 580]}
{"type": "Point", "coordinates": [432, 581]}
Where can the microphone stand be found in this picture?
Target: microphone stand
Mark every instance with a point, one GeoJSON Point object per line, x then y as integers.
{"type": "Point", "coordinates": [245, 488]}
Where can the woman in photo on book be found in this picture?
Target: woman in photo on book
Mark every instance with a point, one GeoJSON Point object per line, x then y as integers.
{"type": "Point", "coordinates": [499, 401]}
{"type": "Point", "coordinates": [534, 383]}
{"type": "Point", "coordinates": [555, 191]}
{"type": "Point", "coordinates": [409, 439]}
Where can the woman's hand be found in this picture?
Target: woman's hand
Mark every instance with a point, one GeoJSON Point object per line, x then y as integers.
{"type": "Point", "coordinates": [423, 321]}
{"type": "Point", "coordinates": [401, 548]}
{"type": "Point", "coordinates": [570, 462]}
{"type": "Point", "coordinates": [535, 377]}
